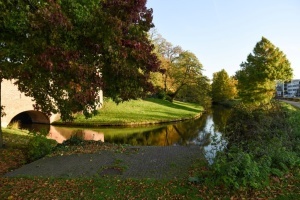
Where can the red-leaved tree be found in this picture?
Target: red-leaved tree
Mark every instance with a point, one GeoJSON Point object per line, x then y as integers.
{"type": "Point", "coordinates": [61, 53]}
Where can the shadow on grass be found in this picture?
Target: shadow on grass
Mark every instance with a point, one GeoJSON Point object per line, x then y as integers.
{"type": "Point", "coordinates": [177, 105]}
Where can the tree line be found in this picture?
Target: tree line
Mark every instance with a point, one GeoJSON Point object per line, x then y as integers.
{"type": "Point", "coordinates": [255, 82]}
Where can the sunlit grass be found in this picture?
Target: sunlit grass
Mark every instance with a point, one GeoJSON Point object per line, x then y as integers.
{"type": "Point", "coordinates": [289, 106]}
{"type": "Point", "coordinates": [14, 125]}
{"type": "Point", "coordinates": [141, 112]}
{"type": "Point", "coordinates": [15, 137]}
{"type": "Point", "coordinates": [16, 131]}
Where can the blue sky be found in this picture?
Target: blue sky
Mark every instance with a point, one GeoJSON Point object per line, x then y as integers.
{"type": "Point", "coordinates": [222, 33]}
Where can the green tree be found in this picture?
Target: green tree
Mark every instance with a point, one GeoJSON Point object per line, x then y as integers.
{"type": "Point", "coordinates": [223, 87]}
{"type": "Point", "coordinates": [182, 77]}
{"type": "Point", "coordinates": [61, 53]}
{"type": "Point", "coordinates": [196, 92]}
{"type": "Point", "coordinates": [167, 54]}
{"type": "Point", "coordinates": [258, 75]}
{"type": "Point", "coordinates": [186, 70]}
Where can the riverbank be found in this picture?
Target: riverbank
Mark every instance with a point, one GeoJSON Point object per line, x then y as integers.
{"type": "Point", "coordinates": [138, 112]}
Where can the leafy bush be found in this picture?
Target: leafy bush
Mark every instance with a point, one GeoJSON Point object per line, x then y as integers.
{"type": "Point", "coordinates": [283, 159]}
{"type": "Point", "coordinates": [262, 141]}
{"type": "Point", "coordinates": [161, 94]}
{"type": "Point", "coordinates": [239, 169]}
{"type": "Point", "coordinates": [75, 139]}
{"type": "Point", "coordinates": [39, 146]}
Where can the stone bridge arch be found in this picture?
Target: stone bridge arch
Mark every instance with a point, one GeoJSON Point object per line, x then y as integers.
{"type": "Point", "coordinates": [31, 116]}
{"type": "Point", "coordinates": [18, 106]}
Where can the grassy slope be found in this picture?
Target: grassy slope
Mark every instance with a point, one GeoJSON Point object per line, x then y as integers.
{"type": "Point", "coordinates": [14, 153]}
{"type": "Point", "coordinates": [141, 112]}
{"type": "Point", "coordinates": [15, 137]}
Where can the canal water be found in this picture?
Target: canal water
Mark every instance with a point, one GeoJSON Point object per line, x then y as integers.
{"type": "Point", "coordinates": [205, 131]}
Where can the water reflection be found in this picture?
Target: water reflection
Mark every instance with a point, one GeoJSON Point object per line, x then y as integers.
{"type": "Point", "coordinates": [211, 139]}
{"type": "Point", "coordinates": [61, 134]}
{"type": "Point", "coordinates": [205, 131]}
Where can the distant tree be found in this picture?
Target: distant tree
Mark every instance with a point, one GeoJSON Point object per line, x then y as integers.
{"type": "Point", "coordinates": [167, 53]}
{"type": "Point", "coordinates": [186, 70]}
{"type": "Point", "coordinates": [257, 76]}
{"type": "Point", "coordinates": [61, 53]}
{"type": "Point", "coordinates": [223, 87]}
{"type": "Point", "coordinates": [182, 77]}
{"type": "Point", "coordinates": [197, 92]}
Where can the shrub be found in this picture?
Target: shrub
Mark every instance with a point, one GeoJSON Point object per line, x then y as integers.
{"type": "Point", "coordinates": [75, 139]}
{"type": "Point", "coordinates": [39, 146]}
{"type": "Point", "coordinates": [161, 94]}
{"type": "Point", "coordinates": [239, 169]}
{"type": "Point", "coordinates": [284, 160]}
{"type": "Point", "coordinates": [262, 141]}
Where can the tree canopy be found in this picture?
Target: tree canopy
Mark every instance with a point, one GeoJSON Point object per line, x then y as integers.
{"type": "Point", "coordinates": [257, 76]}
{"type": "Point", "coordinates": [61, 53]}
{"type": "Point", "coordinates": [167, 54]}
{"type": "Point", "coordinates": [186, 70]}
{"type": "Point", "coordinates": [182, 72]}
{"type": "Point", "coordinates": [223, 87]}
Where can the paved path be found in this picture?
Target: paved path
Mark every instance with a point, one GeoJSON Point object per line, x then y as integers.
{"type": "Point", "coordinates": [296, 104]}
{"type": "Point", "coordinates": [139, 162]}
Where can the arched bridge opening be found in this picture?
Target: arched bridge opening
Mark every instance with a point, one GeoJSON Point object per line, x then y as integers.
{"type": "Point", "coordinates": [31, 117]}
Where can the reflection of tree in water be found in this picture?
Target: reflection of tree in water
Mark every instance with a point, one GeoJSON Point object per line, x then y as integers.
{"type": "Point", "coordinates": [204, 139]}
{"type": "Point", "coordinates": [189, 130]}
{"type": "Point", "coordinates": [220, 118]}
{"type": "Point", "coordinates": [163, 136]}
{"type": "Point", "coordinates": [152, 137]}
{"type": "Point", "coordinates": [210, 136]}
{"type": "Point", "coordinates": [180, 133]}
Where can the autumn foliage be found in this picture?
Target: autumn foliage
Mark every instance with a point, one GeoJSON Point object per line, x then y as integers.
{"type": "Point", "coordinates": [61, 53]}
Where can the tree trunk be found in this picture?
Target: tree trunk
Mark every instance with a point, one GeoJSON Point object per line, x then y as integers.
{"type": "Point", "coordinates": [165, 82]}
{"type": "Point", "coordinates": [180, 134]}
{"type": "Point", "coordinates": [1, 135]}
{"type": "Point", "coordinates": [176, 92]}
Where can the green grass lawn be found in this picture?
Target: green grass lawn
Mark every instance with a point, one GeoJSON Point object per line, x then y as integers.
{"type": "Point", "coordinates": [13, 154]}
{"type": "Point", "coordinates": [15, 137]}
{"type": "Point", "coordinates": [146, 111]}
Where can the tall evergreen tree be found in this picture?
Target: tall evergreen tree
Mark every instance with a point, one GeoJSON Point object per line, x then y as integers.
{"type": "Point", "coordinates": [257, 76]}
